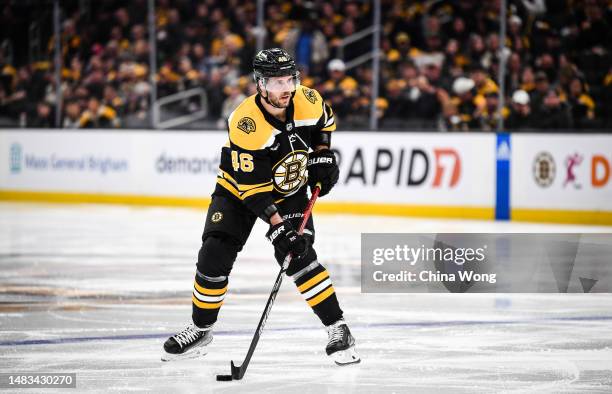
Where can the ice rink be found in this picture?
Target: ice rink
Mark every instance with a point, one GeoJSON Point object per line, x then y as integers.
{"type": "Point", "coordinates": [96, 290]}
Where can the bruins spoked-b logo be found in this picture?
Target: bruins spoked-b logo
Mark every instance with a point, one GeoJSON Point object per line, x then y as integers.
{"type": "Point", "coordinates": [310, 95]}
{"type": "Point", "coordinates": [544, 169]}
{"type": "Point", "coordinates": [246, 124]}
{"type": "Point", "coordinates": [290, 172]}
{"type": "Point", "coordinates": [216, 217]}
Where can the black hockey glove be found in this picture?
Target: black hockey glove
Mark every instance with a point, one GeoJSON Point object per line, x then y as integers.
{"type": "Point", "coordinates": [285, 239]}
{"type": "Point", "coordinates": [322, 167]}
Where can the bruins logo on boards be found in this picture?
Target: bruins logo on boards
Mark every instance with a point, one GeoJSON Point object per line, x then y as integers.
{"type": "Point", "coordinates": [246, 124]}
{"type": "Point", "coordinates": [310, 95]}
{"type": "Point", "coordinates": [216, 217]}
{"type": "Point", "coordinates": [544, 169]}
{"type": "Point", "coordinates": [290, 172]}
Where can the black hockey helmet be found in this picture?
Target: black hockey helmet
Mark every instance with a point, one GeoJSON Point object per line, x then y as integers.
{"type": "Point", "coordinates": [270, 63]}
{"type": "Point", "coordinates": [274, 62]}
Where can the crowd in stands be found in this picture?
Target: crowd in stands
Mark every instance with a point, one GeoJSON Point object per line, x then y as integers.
{"type": "Point", "coordinates": [440, 61]}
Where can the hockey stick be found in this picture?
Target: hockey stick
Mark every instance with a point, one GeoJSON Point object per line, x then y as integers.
{"type": "Point", "coordinates": [239, 371]}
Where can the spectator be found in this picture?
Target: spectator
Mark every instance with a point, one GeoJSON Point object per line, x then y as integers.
{"type": "Point", "coordinates": [546, 64]}
{"type": "Point", "coordinates": [542, 86]}
{"type": "Point", "coordinates": [423, 98]}
{"type": "Point", "coordinates": [98, 116]}
{"type": "Point", "coordinates": [483, 83]}
{"type": "Point", "coordinates": [595, 31]}
{"type": "Point", "coordinates": [113, 100]}
{"type": "Point", "coordinates": [519, 42]}
{"type": "Point", "coordinates": [395, 89]}
{"type": "Point", "coordinates": [234, 98]}
{"type": "Point", "coordinates": [43, 118]}
{"type": "Point", "coordinates": [454, 60]}
{"type": "Point", "coordinates": [402, 49]}
{"type": "Point", "coordinates": [308, 44]}
{"type": "Point", "coordinates": [354, 49]}
{"type": "Point", "coordinates": [528, 80]}
{"type": "Point", "coordinates": [582, 105]}
{"type": "Point", "coordinates": [210, 44]}
{"type": "Point", "coordinates": [489, 116]}
{"type": "Point", "coordinates": [520, 117]}
{"type": "Point", "coordinates": [554, 114]}
{"type": "Point", "coordinates": [476, 49]}
{"type": "Point", "coordinates": [72, 114]}
{"type": "Point", "coordinates": [461, 112]}
{"type": "Point", "coordinates": [459, 31]}
{"type": "Point", "coordinates": [491, 54]}
{"type": "Point", "coordinates": [214, 91]}
{"type": "Point", "coordinates": [339, 80]}
{"type": "Point", "coordinates": [513, 76]}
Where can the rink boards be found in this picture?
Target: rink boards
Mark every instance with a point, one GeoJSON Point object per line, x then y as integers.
{"type": "Point", "coordinates": [527, 177]}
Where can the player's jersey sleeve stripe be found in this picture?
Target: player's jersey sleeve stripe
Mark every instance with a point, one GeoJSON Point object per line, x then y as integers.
{"type": "Point", "coordinates": [330, 119]}
{"type": "Point", "coordinates": [331, 127]}
{"type": "Point", "coordinates": [326, 117]}
{"type": "Point", "coordinates": [305, 122]}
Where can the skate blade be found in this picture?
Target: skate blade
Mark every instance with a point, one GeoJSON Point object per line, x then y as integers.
{"type": "Point", "coordinates": [195, 352]}
{"type": "Point", "coordinates": [346, 357]}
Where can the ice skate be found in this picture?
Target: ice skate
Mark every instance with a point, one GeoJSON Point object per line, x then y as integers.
{"type": "Point", "coordinates": [192, 342]}
{"type": "Point", "coordinates": [341, 345]}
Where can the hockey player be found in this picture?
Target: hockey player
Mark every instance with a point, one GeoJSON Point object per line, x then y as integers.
{"type": "Point", "coordinates": [279, 142]}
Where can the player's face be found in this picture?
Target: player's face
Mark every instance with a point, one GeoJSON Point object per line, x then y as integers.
{"type": "Point", "coordinates": [280, 100]}
{"type": "Point", "coordinates": [279, 90]}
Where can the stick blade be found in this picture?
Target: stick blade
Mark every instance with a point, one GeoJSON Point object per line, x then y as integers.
{"type": "Point", "coordinates": [237, 372]}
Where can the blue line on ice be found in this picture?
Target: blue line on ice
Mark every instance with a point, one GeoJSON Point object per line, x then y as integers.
{"type": "Point", "coordinates": [358, 326]}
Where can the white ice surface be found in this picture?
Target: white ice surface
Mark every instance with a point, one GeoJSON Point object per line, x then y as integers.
{"type": "Point", "coordinates": [95, 290]}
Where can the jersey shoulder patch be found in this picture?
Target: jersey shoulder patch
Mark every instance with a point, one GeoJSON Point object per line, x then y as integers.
{"type": "Point", "coordinates": [308, 103]}
{"type": "Point", "coordinates": [246, 124]}
{"type": "Point", "coordinates": [247, 127]}
{"type": "Point", "coordinates": [310, 94]}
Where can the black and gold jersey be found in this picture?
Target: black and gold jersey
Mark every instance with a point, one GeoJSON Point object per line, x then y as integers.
{"type": "Point", "coordinates": [265, 158]}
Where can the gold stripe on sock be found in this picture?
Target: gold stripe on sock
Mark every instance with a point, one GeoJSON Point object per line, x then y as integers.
{"type": "Point", "coordinates": [313, 281]}
{"type": "Point", "coordinates": [321, 297]}
{"type": "Point", "coordinates": [205, 291]}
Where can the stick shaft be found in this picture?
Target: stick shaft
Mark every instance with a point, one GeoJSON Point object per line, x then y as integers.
{"type": "Point", "coordinates": [238, 372]}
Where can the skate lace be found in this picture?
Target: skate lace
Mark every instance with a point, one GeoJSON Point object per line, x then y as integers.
{"type": "Point", "coordinates": [335, 334]}
{"type": "Point", "coordinates": [188, 335]}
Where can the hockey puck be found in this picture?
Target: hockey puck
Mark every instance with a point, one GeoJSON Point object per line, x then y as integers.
{"type": "Point", "coordinates": [224, 378]}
